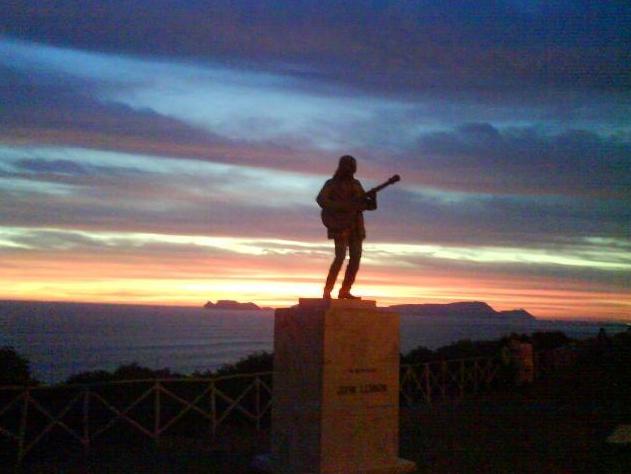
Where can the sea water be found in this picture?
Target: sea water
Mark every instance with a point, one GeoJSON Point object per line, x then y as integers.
{"type": "Point", "coordinates": [62, 339]}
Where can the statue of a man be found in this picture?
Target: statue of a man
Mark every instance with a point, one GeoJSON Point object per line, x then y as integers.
{"type": "Point", "coordinates": [343, 200]}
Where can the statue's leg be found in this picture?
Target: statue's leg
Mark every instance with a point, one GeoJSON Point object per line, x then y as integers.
{"type": "Point", "coordinates": [355, 254]}
{"type": "Point", "coordinates": [341, 243]}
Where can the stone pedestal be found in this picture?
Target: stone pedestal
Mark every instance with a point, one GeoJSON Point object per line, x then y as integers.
{"type": "Point", "coordinates": [336, 389]}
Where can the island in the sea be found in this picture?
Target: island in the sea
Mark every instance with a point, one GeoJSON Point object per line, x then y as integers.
{"type": "Point", "coordinates": [232, 305]}
{"type": "Point", "coordinates": [467, 309]}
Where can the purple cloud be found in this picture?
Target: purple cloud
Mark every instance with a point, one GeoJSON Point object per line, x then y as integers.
{"type": "Point", "coordinates": [527, 160]}
{"type": "Point", "coordinates": [413, 46]}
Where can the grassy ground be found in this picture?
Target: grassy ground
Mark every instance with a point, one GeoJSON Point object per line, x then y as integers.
{"type": "Point", "coordinates": [511, 436]}
{"type": "Point", "coordinates": [558, 425]}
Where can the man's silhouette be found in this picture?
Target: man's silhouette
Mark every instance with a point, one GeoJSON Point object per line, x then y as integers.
{"type": "Point", "coordinates": [342, 200]}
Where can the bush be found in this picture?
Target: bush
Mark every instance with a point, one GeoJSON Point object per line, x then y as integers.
{"type": "Point", "coordinates": [132, 371]}
{"type": "Point", "coordinates": [257, 362]}
{"type": "Point", "coordinates": [14, 369]}
{"type": "Point", "coordinates": [466, 348]}
{"type": "Point", "coordinates": [419, 355]}
{"type": "Point", "coordinates": [543, 341]}
{"type": "Point", "coordinates": [91, 377]}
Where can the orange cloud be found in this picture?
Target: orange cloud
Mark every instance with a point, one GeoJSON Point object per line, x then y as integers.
{"type": "Point", "coordinates": [280, 280]}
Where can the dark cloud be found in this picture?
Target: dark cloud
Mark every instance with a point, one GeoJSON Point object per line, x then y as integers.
{"type": "Point", "coordinates": [70, 171]}
{"type": "Point", "coordinates": [415, 45]}
{"type": "Point", "coordinates": [67, 113]}
{"type": "Point", "coordinates": [35, 102]}
{"type": "Point", "coordinates": [132, 200]}
{"type": "Point", "coordinates": [589, 173]}
{"type": "Point", "coordinates": [481, 157]}
{"type": "Point", "coordinates": [182, 219]}
{"type": "Point", "coordinates": [184, 204]}
{"type": "Point", "coordinates": [503, 221]}
{"type": "Point", "coordinates": [52, 166]}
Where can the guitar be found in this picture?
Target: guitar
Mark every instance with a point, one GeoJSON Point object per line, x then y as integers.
{"type": "Point", "coordinates": [338, 220]}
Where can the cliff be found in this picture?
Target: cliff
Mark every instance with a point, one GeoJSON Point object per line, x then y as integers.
{"type": "Point", "coordinates": [231, 305]}
{"type": "Point", "coordinates": [472, 309]}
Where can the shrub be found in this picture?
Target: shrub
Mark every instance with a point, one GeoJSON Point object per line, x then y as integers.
{"type": "Point", "coordinates": [542, 341]}
{"type": "Point", "coordinates": [418, 356]}
{"type": "Point", "coordinates": [132, 371]}
{"type": "Point", "coordinates": [14, 369]}
{"type": "Point", "coordinates": [256, 362]}
{"type": "Point", "coordinates": [466, 348]}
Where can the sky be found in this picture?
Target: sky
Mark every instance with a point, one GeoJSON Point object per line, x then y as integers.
{"type": "Point", "coordinates": [170, 152]}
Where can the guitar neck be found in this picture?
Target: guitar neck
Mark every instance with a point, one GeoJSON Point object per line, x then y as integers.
{"type": "Point", "coordinates": [376, 189]}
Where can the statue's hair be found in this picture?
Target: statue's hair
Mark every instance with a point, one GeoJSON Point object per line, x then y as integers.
{"type": "Point", "coordinates": [342, 171]}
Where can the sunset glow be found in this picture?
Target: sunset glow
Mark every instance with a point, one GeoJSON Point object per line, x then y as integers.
{"type": "Point", "coordinates": [172, 171]}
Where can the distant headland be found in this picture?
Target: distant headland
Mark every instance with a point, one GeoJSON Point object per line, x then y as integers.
{"type": "Point", "coordinates": [233, 305]}
{"type": "Point", "coordinates": [467, 309]}
{"type": "Point", "coordinates": [463, 309]}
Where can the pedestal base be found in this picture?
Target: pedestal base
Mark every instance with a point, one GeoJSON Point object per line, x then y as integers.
{"type": "Point", "coordinates": [336, 389]}
{"type": "Point", "coordinates": [264, 463]}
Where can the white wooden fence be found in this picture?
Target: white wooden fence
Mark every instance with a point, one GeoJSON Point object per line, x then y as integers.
{"type": "Point", "coordinates": [447, 379]}
{"type": "Point", "coordinates": [152, 407]}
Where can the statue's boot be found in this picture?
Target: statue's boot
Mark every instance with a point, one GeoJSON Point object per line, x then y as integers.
{"type": "Point", "coordinates": [349, 279]}
{"type": "Point", "coordinates": [330, 283]}
{"type": "Point", "coordinates": [345, 294]}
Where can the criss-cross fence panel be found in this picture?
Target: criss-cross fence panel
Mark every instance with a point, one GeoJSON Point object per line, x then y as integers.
{"type": "Point", "coordinates": [29, 415]}
{"type": "Point", "coordinates": [433, 381]}
{"type": "Point", "coordinates": [12, 415]}
{"type": "Point", "coordinates": [192, 406]}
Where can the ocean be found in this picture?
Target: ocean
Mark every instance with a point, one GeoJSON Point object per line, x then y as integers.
{"type": "Point", "coordinates": [62, 339]}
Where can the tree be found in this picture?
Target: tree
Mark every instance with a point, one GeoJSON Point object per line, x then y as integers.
{"type": "Point", "coordinates": [14, 369]}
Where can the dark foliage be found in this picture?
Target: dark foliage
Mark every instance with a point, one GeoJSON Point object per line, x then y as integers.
{"type": "Point", "coordinates": [543, 341]}
{"type": "Point", "coordinates": [94, 376]}
{"type": "Point", "coordinates": [257, 362]}
{"type": "Point", "coordinates": [616, 353]}
{"type": "Point", "coordinates": [419, 355]}
{"type": "Point", "coordinates": [467, 348]}
{"type": "Point", "coordinates": [132, 371]}
{"type": "Point", "coordinates": [14, 369]}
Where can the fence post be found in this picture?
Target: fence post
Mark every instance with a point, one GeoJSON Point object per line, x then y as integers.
{"type": "Point", "coordinates": [156, 411]}
{"type": "Point", "coordinates": [462, 378]}
{"type": "Point", "coordinates": [428, 383]}
{"type": "Point", "coordinates": [86, 420]}
{"type": "Point", "coordinates": [213, 410]}
{"type": "Point", "coordinates": [443, 379]}
{"type": "Point", "coordinates": [23, 422]}
{"type": "Point", "coordinates": [258, 402]}
{"type": "Point", "coordinates": [402, 378]}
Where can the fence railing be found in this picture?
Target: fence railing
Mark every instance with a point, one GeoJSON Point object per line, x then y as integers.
{"type": "Point", "coordinates": [198, 406]}
{"type": "Point", "coordinates": [149, 407]}
{"type": "Point", "coordinates": [447, 379]}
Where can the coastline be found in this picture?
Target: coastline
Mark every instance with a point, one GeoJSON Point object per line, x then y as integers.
{"type": "Point", "coordinates": [62, 339]}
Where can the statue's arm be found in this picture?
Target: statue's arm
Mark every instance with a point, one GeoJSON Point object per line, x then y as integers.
{"type": "Point", "coordinates": [325, 200]}
{"type": "Point", "coordinates": [369, 199]}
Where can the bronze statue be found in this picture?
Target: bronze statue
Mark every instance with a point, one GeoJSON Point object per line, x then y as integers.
{"type": "Point", "coordinates": [343, 201]}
